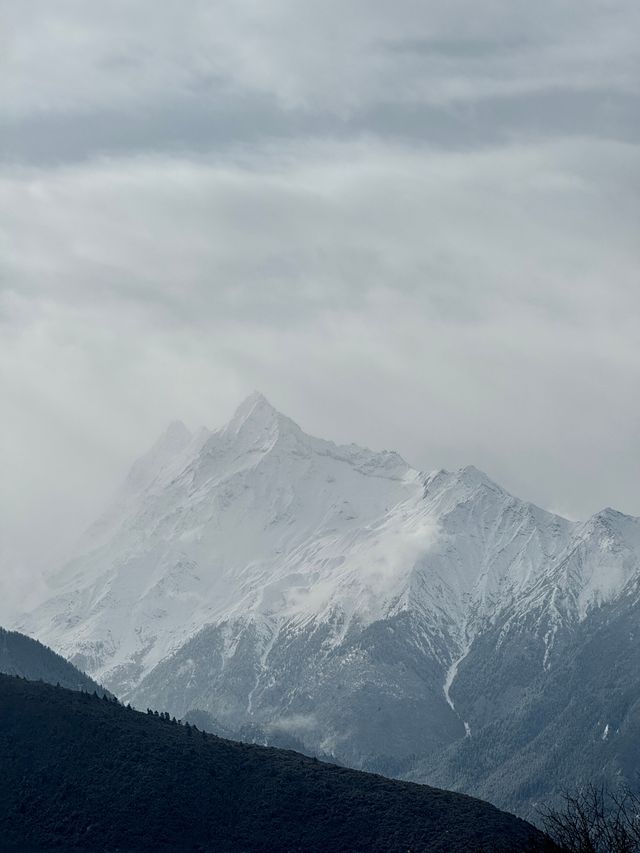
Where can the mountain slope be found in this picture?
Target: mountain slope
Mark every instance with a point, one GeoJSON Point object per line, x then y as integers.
{"type": "Point", "coordinates": [373, 612]}
{"type": "Point", "coordinates": [74, 764]}
{"type": "Point", "coordinates": [576, 722]}
{"type": "Point", "coordinates": [27, 658]}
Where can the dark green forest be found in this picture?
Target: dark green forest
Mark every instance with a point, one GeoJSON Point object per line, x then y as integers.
{"type": "Point", "coordinates": [83, 773]}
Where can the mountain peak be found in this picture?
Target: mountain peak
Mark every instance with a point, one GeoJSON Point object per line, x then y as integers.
{"type": "Point", "coordinates": [257, 416]}
{"type": "Point", "coordinates": [172, 441]}
{"type": "Point", "coordinates": [177, 433]}
{"type": "Point", "coordinates": [255, 403]}
{"type": "Point", "coordinates": [473, 477]}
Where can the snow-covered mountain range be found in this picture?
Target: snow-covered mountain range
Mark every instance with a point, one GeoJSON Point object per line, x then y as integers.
{"type": "Point", "coordinates": [270, 577]}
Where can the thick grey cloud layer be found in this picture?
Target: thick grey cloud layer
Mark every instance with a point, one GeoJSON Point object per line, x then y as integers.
{"type": "Point", "coordinates": [411, 225]}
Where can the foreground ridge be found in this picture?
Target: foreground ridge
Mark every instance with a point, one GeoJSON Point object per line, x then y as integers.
{"type": "Point", "coordinates": [88, 774]}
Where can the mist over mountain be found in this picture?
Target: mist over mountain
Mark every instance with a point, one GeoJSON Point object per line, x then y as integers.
{"type": "Point", "coordinates": [417, 624]}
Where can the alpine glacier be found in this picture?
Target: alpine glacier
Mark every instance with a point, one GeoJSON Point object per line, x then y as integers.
{"type": "Point", "coordinates": [272, 578]}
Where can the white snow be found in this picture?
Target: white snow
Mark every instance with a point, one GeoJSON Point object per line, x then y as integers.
{"type": "Point", "coordinates": [450, 678]}
{"type": "Point", "coordinates": [259, 521]}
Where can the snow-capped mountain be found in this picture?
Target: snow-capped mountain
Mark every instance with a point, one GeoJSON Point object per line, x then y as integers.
{"type": "Point", "coordinates": [270, 577]}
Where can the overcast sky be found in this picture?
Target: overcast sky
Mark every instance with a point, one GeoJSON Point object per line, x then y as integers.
{"type": "Point", "coordinates": [413, 224]}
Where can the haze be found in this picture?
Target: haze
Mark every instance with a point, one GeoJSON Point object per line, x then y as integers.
{"type": "Point", "coordinates": [405, 234]}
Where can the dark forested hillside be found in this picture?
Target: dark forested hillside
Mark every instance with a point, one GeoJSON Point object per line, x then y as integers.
{"type": "Point", "coordinates": [83, 773]}
{"type": "Point", "coordinates": [20, 655]}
